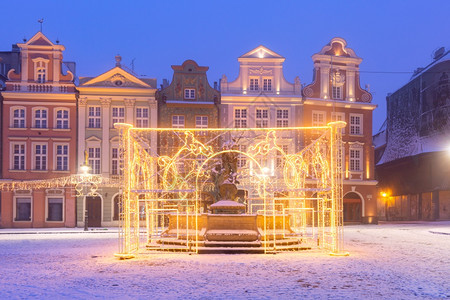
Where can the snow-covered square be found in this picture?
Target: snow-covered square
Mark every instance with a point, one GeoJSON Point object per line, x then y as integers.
{"type": "Point", "coordinates": [389, 261]}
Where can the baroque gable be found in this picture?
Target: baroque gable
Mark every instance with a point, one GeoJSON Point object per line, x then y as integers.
{"type": "Point", "coordinates": [116, 77]}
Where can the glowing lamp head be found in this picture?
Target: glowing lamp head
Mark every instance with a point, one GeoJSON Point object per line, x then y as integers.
{"type": "Point", "coordinates": [84, 169]}
{"type": "Point", "coordinates": [265, 170]}
{"type": "Point", "coordinates": [383, 194]}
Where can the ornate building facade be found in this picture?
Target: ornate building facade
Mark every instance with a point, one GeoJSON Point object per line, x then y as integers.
{"type": "Point", "coordinates": [261, 98]}
{"type": "Point", "coordinates": [116, 96]}
{"type": "Point", "coordinates": [335, 95]}
{"type": "Point", "coordinates": [39, 136]}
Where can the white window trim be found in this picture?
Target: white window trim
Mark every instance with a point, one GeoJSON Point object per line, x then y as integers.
{"type": "Point", "coordinates": [190, 96]}
{"type": "Point", "coordinates": [11, 114]}
{"type": "Point", "coordinates": [178, 125]}
{"type": "Point", "coordinates": [271, 84]}
{"type": "Point", "coordinates": [121, 119]}
{"type": "Point", "coordinates": [115, 146]}
{"type": "Point", "coordinates": [11, 158]}
{"type": "Point", "coordinates": [40, 62]}
{"type": "Point", "coordinates": [246, 117]}
{"type": "Point", "coordinates": [55, 164]}
{"type": "Point", "coordinates": [262, 119]}
{"type": "Point", "coordinates": [250, 86]}
{"type": "Point", "coordinates": [33, 156]}
{"type": "Point", "coordinates": [360, 147]}
{"type": "Point", "coordinates": [30, 195]}
{"type": "Point", "coordinates": [319, 112]}
{"type": "Point", "coordinates": [361, 118]}
{"type": "Point", "coordinates": [63, 208]}
{"type": "Point", "coordinates": [55, 118]}
{"type": "Point", "coordinates": [142, 118]}
{"type": "Point", "coordinates": [94, 117]}
{"type": "Point", "coordinates": [282, 119]}
{"type": "Point", "coordinates": [95, 145]}
{"type": "Point", "coordinates": [33, 114]}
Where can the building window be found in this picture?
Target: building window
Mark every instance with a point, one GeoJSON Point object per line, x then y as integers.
{"type": "Point", "coordinates": [240, 118]}
{"type": "Point", "coordinates": [18, 156]}
{"type": "Point", "coordinates": [23, 209]}
{"type": "Point", "coordinates": [336, 92]}
{"type": "Point", "coordinates": [94, 159]}
{"type": "Point", "coordinates": [40, 156]}
{"type": "Point", "coordinates": [116, 162]}
{"type": "Point", "coordinates": [40, 69]}
{"type": "Point", "coordinates": [40, 118]}
{"type": "Point", "coordinates": [142, 117]}
{"type": "Point", "coordinates": [189, 93]}
{"type": "Point", "coordinates": [339, 116]}
{"type": "Point", "coordinates": [201, 122]}
{"type": "Point", "coordinates": [62, 119]}
{"type": "Point", "coordinates": [178, 122]}
{"type": "Point", "coordinates": [55, 209]}
{"type": "Point", "coordinates": [262, 118]}
{"type": "Point", "coordinates": [356, 124]}
{"type": "Point", "coordinates": [254, 84]}
{"type": "Point", "coordinates": [62, 157]}
{"type": "Point", "coordinates": [318, 118]}
{"type": "Point", "coordinates": [282, 117]}
{"type": "Point", "coordinates": [267, 84]}
{"type": "Point", "coordinates": [94, 116]}
{"type": "Point", "coordinates": [19, 118]}
{"type": "Point", "coordinates": [242, 159]}
{"type": "Point", "coordinates": [355, 160]}
{"type": "Point", "coordinates": [118, 115]}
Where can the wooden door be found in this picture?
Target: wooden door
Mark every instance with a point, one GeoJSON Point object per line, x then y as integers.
{"type": "Point", "coordinates": [94, 208]}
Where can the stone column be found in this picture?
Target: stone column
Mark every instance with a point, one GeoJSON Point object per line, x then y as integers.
{"type": "Point", "coordinates": [129, 111]}
{"type": "Point", "coordinates": [350, 81]}
{"type": "Point", "coordinates": [325, 82]}
{"type": "Point", "coordinates": [106, 105]}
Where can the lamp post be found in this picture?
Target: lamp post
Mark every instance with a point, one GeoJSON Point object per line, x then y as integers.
{"type": "Point", "coordinates": [84, 174]}
{"type": "Point", "coordinates": [385, 198]}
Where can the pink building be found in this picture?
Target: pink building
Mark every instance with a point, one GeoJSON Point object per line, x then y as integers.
{"type": "Point", "coordinates": [39, 136]}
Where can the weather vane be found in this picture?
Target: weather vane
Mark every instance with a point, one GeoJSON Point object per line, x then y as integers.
{"type": "Point", "coordinates": [41, 21]}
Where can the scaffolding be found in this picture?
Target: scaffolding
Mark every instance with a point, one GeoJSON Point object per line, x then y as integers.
{"type": "Point", "coordinates": [289, 180]}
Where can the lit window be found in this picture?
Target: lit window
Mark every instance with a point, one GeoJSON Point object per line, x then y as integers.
{"type": "Point", "coordinates": [189, 93]}
{"type": "Point", "coordinates": [356, 124]}
{"type": "Point", "coordinates": [94, 160]}
{"type": "Point", "coordinates": [55, 209]}
{"type": "Point", "coordinates": [40, 69]}
{"type": "Point", "coordinates": [19, 118]}
{"type": "Point", "coordinates": [336, 92]}
{"type": "Point", "coordinates": [262, 118]}
{"type": "Point", "coordinates": [118, 115]}
{"type": "Point", "coordinates": [267, 84]}
{"type": "Point", "coordinates": [18, 156]}
{"type": "Point", "coordinates": [355, 160]}
{"type": "Point", "coordinates": [62, 119]}
{"type": "Point", "coordinates": [240, 118]}
{"type": "Point", "coordinates": [282, 117]}
{"type": "Point", "coordinates": [40, 118]}
{"type": "Point", "coordinates": [178, 122]}
{"type": "Point", "coordinates": [94, 117]}
{"type": "Point", "coordinates": [40, 157]}
{"type": "Point", "coordinates": [62, 157]}
{"type": "Point", "coordinates": [23, 209]}
{"type": "Point", "coordinates": [254, 84]}
{"type": "Point", "coordinates": [142, 117]}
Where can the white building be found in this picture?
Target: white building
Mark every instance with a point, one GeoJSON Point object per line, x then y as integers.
{"type": "Point", "coordinates": [116, 96]}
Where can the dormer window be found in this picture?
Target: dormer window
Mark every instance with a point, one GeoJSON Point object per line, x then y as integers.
{"type": "Point", "coordinates": [267, 84]}
{"type": "Point", "coordinates": [336, 92]}
{"type": "Point", "coordinates": [40, 69]}
{"type": "Point", "coordinates": [189, 93]}
{"type": "Point", "coordinates": [254, 84]}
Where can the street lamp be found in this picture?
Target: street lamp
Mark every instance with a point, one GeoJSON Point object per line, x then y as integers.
{"type": "Point", "coordinates": [385, 199]}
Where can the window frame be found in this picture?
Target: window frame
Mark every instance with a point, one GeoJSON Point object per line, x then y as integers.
{"type": "Point", "coordinates": [190, 94]}
{"type": "Point", "coordinates": [119, 118]}
{"type": "Point", "coordinates": [15, 208]}
{"type": "Point", "coordinates": [42, 157]}
{"type": "Point", "coordinates": [23, 155]}
{"type": "Point", "coordinates": [335, 117]}
{"type": "Point", "coordinates": [61, 119]}
{"type": "Point", "coordinates": [56, 156]}
{"type": "Point", "coordinates": [267, 86]}
{"type": "Point", "coordinates": [96, 118]}
{"type": "Point", "coordinates": [47, 203]}
{"type": "Point", "coordinates": [19, 119]}
{"type": "Point", "coordinates": [283, 120]}
{"type": "Point", "coordinates": [253, 83]}
{"type": "Point", "coordinates": [262, 121]}
{"type": "Point", "coordinates": [94, 161]}
{"type": "Point", "coordinates": [40, 68]}
{"type": "Point", "coordinates": [177, 123]}
{"type": "Point", "coordinates": [140, 118]}
{"type": "Point", "coordinates": [356, 126]}
{"type": "Point", "coordinates": [40, 119]}
{"type": "Point", "coordinates": [240, 119]}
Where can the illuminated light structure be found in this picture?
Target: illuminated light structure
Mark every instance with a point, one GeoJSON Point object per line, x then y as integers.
{"type": "Point", "coordinates": [162, 209]}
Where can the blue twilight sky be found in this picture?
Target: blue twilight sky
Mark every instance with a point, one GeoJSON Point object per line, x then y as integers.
{"type": "Point", "coordinates": [390, 36]}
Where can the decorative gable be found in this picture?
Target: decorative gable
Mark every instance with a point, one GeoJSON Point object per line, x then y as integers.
{"type": "Point", "coordinates": [116, 77]}
{"type": "Point", "coordinates": [261, 52]}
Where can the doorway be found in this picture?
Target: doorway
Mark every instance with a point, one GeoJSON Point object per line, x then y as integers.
{"type": "Point", "coordinates": [352, 207]}
{"type": "Point", "coordinates": [94, 208]}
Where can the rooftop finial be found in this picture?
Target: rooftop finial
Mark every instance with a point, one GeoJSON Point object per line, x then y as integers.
{"type": "Point", "coordinates": [118, 60]}
{"type": "Point", "coordinates": [41, 21]}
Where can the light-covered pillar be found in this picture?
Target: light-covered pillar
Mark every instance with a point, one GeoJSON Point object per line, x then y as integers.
{"type": "Point", "coordinates": [82, 101]}
{"type": "Point", "coordinates": [105, 159]}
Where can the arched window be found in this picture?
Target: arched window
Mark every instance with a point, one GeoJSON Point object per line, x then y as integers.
{"type": "Point", "coordinates": [40, 118]}
{"type": "Point", "coordinates": [62, 118]}
{"type": "Point", "coordinates": [18, 117]}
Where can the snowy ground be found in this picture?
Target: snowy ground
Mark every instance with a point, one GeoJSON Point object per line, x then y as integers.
{"type": "Point", "coordinates": [390, 261]}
